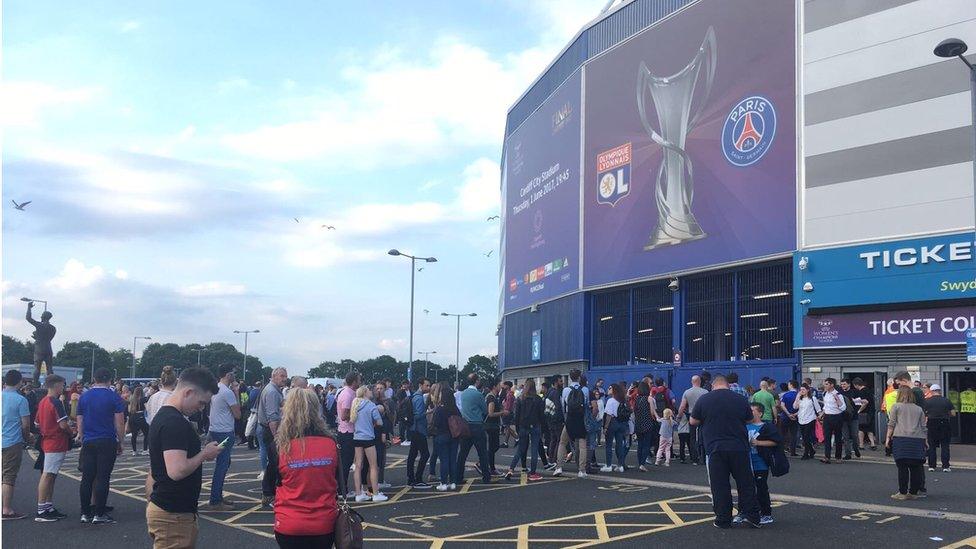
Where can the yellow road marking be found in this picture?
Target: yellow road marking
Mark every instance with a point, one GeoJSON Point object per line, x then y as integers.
{"type": "Point", "coordinates": [467, 486]}
{"type": "Point", "coordinates": [671, 514]}
{"type": "Point", "coordinates": [968, 542]}
{"type": "Point", "coordinates": [523, 537]}
{"type": "Point", "coordinates": [601, 527]}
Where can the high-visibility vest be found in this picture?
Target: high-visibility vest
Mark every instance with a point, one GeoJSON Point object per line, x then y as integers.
{"type": "Point", "coordinates": [953, 397]}
{"type": "Point", "coordinates": [889, 399]}
{"type": "Point", "coordinates": [967, 401]}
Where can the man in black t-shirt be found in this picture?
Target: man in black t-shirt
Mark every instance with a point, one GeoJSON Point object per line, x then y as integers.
{"type": "Point", "coordinates": [863, 398]}
{"type": "Point", "coordinates": [176, 461]}
{"type": "Point", "coordinates": [723, 415]}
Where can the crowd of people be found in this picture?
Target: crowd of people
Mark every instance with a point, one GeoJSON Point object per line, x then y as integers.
{"type": "Point", "coordinates": [310, 439]}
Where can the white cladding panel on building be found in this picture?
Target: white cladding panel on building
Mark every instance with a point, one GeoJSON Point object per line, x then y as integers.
{"type": "Point", "coordinates": [888, 140]}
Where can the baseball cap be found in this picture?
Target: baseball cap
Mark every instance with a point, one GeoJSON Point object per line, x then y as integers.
{"type": "Point", "coordinates": [935, 387]}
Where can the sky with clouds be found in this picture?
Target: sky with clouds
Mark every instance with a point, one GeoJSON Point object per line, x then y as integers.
{"type": "Point", "coordinates": [168, 147]}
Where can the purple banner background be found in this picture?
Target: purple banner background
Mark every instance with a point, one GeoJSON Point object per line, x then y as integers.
{"type": "Point", "coordinates": [546, 232]}
{"type": "Point", "coordinates": [746, 212]}
{"type": "Point", "coordinates": [945, 325]}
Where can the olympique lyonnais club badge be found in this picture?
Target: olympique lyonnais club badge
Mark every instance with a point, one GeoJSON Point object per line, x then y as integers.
{"type": "Point", "coordinates": [613, 174]}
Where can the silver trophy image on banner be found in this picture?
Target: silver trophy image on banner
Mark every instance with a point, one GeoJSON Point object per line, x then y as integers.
{"type": "Point", "coordinates": [673, 98]}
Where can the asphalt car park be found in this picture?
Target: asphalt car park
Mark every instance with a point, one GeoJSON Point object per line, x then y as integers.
{"type": "Point", "coordinates": [843, 504]}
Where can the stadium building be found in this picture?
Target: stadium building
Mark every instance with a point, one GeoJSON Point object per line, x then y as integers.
{"type": "Point", "coordinates": [781, 189]}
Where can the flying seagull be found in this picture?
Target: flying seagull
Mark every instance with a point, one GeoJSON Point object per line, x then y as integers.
{"type": "Point", "coordinates": [329, 227]}
{"type": "Point", "coordinates": [426, 311]}
{"type": "Point", "coordinates": [489, 253]}
{"type": "Point", "coordinates": [420, 269]}
{"type": "Point", "coordinates": [20, 206]}
{"type": "Point", "coordinates": [492, 217]}
{"type": "Point", "coordinates": [296, 220]}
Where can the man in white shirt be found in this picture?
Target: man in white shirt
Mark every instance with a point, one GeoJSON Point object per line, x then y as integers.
{"type": "Point", "coordinates": [225, 409]}
{"type": "Point", "coordinates": [833, 419]}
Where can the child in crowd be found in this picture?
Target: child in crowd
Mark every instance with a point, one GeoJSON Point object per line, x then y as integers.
{"type": "Point", "coordinates": [668, 425]}
{"type": "Point", "coordinates": [684, 436]}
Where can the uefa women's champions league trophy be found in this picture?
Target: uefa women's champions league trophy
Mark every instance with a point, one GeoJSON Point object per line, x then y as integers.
{"type": "Point", "coordinates": [673, 97]}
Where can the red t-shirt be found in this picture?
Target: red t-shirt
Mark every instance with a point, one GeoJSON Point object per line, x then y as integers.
{"type": "Point", "coordinates": [50, 412]}
{"type": "Point", "coordinates": [305, 503]}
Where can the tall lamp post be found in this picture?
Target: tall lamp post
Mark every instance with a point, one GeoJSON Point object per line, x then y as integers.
{"type": "Point", "coordinates": [92, 349]}
{"type": "Point", "coordinates": [457, 361]}
{"type": "Point", "coordinates": [134, 352]}
{"type": "Point", "coordinates": [413, 272]}
{"type": "Point", "coordinates": [954, 47]}
{"type": "Point", "coordinates": [426, 359]}
{"type": "Point", "coordinates": [199, 352]}
{"type": "Point", "coordinates": [245, 332]}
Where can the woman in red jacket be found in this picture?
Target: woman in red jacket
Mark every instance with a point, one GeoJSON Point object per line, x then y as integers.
{"type": "Point", "coordinates": [305, 503]}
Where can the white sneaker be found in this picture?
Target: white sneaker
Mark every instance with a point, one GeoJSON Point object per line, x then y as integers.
{"type": "Point", "coordinates": [442, 487]}
{"type": "Point", "coordinates": [137, 453]}
{"type": "Point", "coordinates": [931, 469]}
{"type": "Point", "coordinates": [379, 497]}
{"type": "Point", "coordinates": [642, 468]}
{"type": "Point", "coordinates": [362, 497]}
{"type": "Point", "coordinates": [452, 486]}
{"type": "Point", "coordinates": [352, 468]}
{"type": "Point", "coordinates": [947, 470]}
{"type": "Point", "coordinates": [620, 468]}
{"type": "Point", "coordinates": [405, 443]}
{"type": "Point", "coordinates": [606, 469]}
{"type": "Point", "coordinates": [351, 495]}
{"type": "Point", "coordinates": [557, 472]}
{"type": "Point", "coordinates": [581, 474]}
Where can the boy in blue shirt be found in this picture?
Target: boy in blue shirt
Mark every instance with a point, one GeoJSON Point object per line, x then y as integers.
{"type": "Point", "coordinates": [760, 469]}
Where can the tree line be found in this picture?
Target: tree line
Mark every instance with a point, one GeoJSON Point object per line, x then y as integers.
{"type": "Point", "coordinates": [78, 354]}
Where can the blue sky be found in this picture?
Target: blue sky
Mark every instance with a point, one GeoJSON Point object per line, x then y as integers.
{"type": "Point", "coordinates": [166, 147]}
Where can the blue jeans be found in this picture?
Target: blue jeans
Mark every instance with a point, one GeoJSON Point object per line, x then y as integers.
{"type": "Point", "coordinates": [480, 443]}
{"type": "Point", "coordinates": [262, 449]}
{"type": "Point", "coordinates": [616, 432]}
{"type": "Point", "coordinates": [221, 466]}
{"type": "Point", "coordinates": [643, 447]}
{"type": "Point", "coordinates": [433, 457]}
{"type": "Point", "coordinates": [447, 449]}
{"type": "Point", "coordinates": [529, 438]}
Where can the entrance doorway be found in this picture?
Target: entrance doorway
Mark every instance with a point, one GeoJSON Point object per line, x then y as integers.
{"type": "Point", "coordinates": [876, 381]}
{"type": "Point", "coordinates": [960, 389]}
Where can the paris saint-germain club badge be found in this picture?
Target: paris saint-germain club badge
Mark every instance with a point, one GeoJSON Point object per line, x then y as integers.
{"type": "Point", "coordinates": [749, 130]}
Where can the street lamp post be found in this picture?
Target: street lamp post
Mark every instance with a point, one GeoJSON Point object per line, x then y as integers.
{"type": "Point", "coordinates": [199, 352]}
{"type": "Point", "coordinates": [426, 359]}
{"type": "Point", "coordinates": [954, 47]}
{"type": "Point", "coordinates": [134, 352]}
{"type": "Point", "coordinates": [245, 332]}
{"type": "Point", "coordinates": [92, 349]}
{"type": "Point", "coordinates": [413, 272]}
{"type": "Point", "coordinates": [457, 360]}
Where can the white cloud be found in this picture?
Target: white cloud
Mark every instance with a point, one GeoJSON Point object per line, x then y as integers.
{"type": "Point", "coordinates": [479, 193]}
{"type": "Point", "coordinates": [213, 289]}
{"type": "Point", "coordinates": [400, 111]}
{"type": "Point", "coordinates": [186, 133]}
{"type": "Point", "coordinates": [233, 85]}
{"type": "Point", "coordinates": [75, 275]}
{"type": "Point", "coordinates": [130, 26]}
{"type": "Point", "coordinates": [121, 274]}
{"type": "Point", "coordinates": [23, 104]}
{"type": "Point", "coordinates": [392, 344]}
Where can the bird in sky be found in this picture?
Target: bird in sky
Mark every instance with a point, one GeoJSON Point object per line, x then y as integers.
{"type": "Point", "coordinates": [426, 311]}
{"type": "Point", "coordinates": [489, 253]}
{"type": "Point", "coordinates": [20, 206]}
{"type": "Point", "coordinates": [329, 227]}
{"type": "Point", "coordinates": [296, 220]}
{"type": "Point", "coordinates": [492, 218]}
{"type": "Point", "coordinates": [420, 269]}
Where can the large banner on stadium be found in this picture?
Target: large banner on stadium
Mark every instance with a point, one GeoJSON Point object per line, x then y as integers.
{"type": "Point", "coordinates": [542, 210]}
{"type": "Point", "coordinates": [690, 143]}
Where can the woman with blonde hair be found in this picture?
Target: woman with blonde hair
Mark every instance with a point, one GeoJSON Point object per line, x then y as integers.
{"type": "Point", "coordinates": [305, 503]}
{"type": "Point", "coordinates": [907, 438]}
{"type": "Point", "coordinates": [433, 399]}
{"type": "Point", "coordinates": [365, 417]}
{"type": "Point", "coordinates": [137, 421]}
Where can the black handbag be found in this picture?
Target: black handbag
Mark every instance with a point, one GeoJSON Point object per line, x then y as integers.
{"type": "Point", "coordinates": [349, 523]}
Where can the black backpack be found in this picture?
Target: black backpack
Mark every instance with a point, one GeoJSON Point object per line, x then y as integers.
{"type": "Point", "coordinates": [850, 410]}
{"type": "Point", "coordinates": [405, 410]}
{"type": "Point", "coordinates": [623, 412]}
{"type": "Point", "coordinates": [660, 402]}
{"type": "Point", "coordinates": [575, 403]}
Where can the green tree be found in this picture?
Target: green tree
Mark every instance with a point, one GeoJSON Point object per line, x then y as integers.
{"type": "Point", "coordinates": [121, 362]}
{"type": "Point", "coordinates": [485, 367]}
{"type": "Point", "coordinates": [79, 355]}
{"type": "Point", "coordinates": [157, 355]}
{"type": "Point", "coordinates": [16, 351]}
